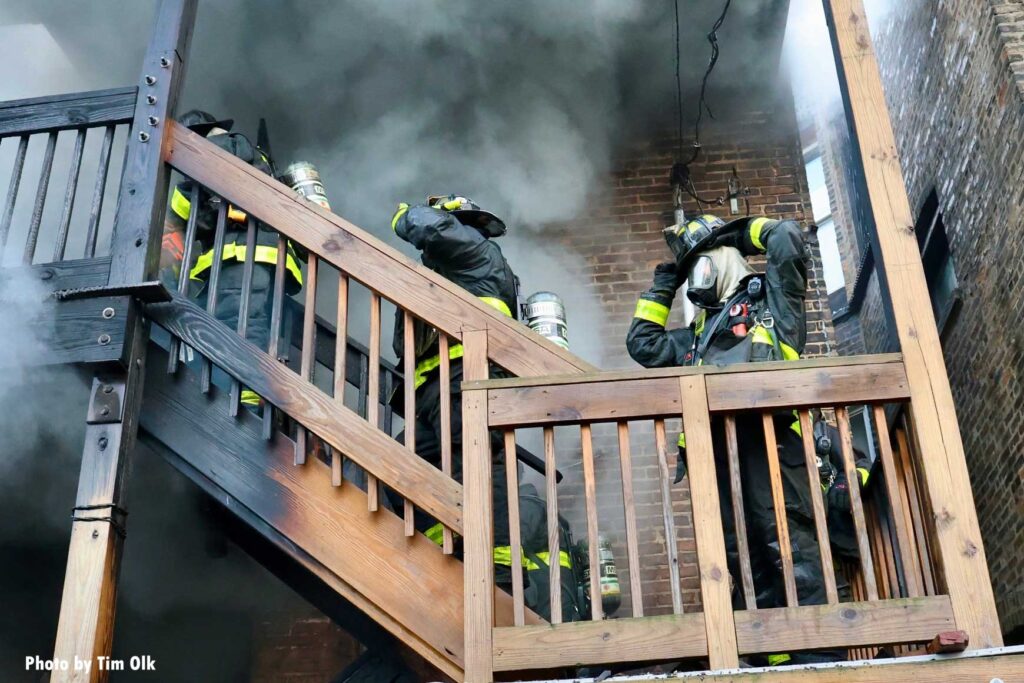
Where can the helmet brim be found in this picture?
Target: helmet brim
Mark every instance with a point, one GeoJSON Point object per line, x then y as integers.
{"type": "Point", "coordinates": [205, 127]}
{"type": "Point", "coordinates": [484, 221]}
{"type": "Point", "coordinates": [686, 262]}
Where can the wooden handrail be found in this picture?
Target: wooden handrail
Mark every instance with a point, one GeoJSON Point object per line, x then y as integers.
{"type": "Point", "coordinates": [70, 110]}
{"type": "Point", "coordinates": [385, 270]}
{"type": "Point", "coordinates": [641, 395]}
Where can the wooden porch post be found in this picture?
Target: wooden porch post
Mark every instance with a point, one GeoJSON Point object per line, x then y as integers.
{"type": "Point", "coordinates": [86, 622]}
{"type": "Point", "coordinates": [478, 515]}
{"type": "Point", "coordinates": [903, 283]}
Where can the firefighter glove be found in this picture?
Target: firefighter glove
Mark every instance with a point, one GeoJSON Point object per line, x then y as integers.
{"type": "Point", "coordinates": [666, 279]}
{"type": "Point", "coordinates": [680, 465]}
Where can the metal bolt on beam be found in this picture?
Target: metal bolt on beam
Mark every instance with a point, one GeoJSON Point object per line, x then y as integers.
{"type": "Point", "coordinates": [164, 62]}
{"type": "Point", "coordinates": [104, 339]}
{"type": "Point", "coordinates": [153, 120]}
{"type": "Point", "coordinates": [143, 136]}
{"type": "Point", "coordinates": [150, 80]}
{"type": "Point", "coordinates": [108, 312]}
{"type": "Point", "coordinates": [150, 99]}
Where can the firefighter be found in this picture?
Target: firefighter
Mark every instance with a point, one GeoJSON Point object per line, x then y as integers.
{"type": "Point", "coordinates": [743, 316]}
{"type": "Point", "coordinates": [233, 254]}
{"type": "Point", "coordinates": [456, 238]}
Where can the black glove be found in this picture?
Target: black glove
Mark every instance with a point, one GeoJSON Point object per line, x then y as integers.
{"type": "Point", "coordinates": [680, 466]}
{"type": "Point", "coordinates": [666, 279]}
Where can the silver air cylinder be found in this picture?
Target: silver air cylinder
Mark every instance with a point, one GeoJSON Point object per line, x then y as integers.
{"type": "Point", "coordinates": [303, 177]}
{"type": "Point", "coordinates": [545, 315]}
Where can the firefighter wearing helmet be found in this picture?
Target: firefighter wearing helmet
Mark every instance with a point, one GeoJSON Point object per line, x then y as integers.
{"type": "Point", "coordinates": [743, 317]}
{"type": "Point", "coordinates": [455, 238]}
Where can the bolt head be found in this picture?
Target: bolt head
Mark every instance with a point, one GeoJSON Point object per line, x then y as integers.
{"type": "Point", "coordinates": [153, 120]}
{"type": "Point", "coordinates": [107, 388]}
{"type": "Point", "coordinates": [102, 442]}
{"type": "Point", "coordinates": [104, 339]}
{"type": "Point", "coordinates": [108, 312]}
{"type": "Point", "coordinates": [164, 62]}
{"type": "Point", "coordinates": [95, 533]}
{"type": "Point", "coordinates": [143, 136]}
{"type": "Point", "coordinates": [104, 410]}
{"type": "Point", "coordinates": [150, 80]}
{"type": "Point", "coordinates": [150, 99]}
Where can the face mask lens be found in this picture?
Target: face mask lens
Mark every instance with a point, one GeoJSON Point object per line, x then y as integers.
{"type": "Point", "coordinates": [702, 274]}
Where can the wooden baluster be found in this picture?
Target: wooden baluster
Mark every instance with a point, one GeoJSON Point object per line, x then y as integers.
{"type": "Point", "coordinates": [69, 197]}
{"type": "Point", "coordinates": [409, 370]}
{"type": "Point", "coordinates": [340, 353]}
{"type": "Point", "coordinates": [387, 420]}
{"type": "Point", "coordinates": [373, 393]}
{"type": "Point", "coordinates": [911, 563]}
{"type": "Point", "coordinates": [629, 508]}
{"type": "Point", "coordinates": [818, 504]}
{"type": "Point", "coordinates": [900, 523]}
{"type": "Point", "coordinates": [554, 544]}
{"type": "Point", "coordinates": [593, 536]}
{"type": "Point", "coordinates": [183, 274]}
{"type": "Point", "coordinates": [668, 519]}
{"type": "Point", "coordinates": [308, 358]}
{"type": "Point", "coordinates": [98, 193]}
{"type": "Point", "coordinates": [445, 379]}
{"type": "Point", "coordinates": [916, 512]}
{"type": "Point", "coordinates": [243, 304]}
{"type": "Point", "coordinates": [887, 546]}
{"type": "Point", "coordinates": [276, 314]}
{"type": "Point", "coordinates": [736, 489]}
{"type": "Point", "coordinates": [213, 285]}
{"type": "Point", "coordinates": [856, 504]}
{"type": "Point", "coordinates": [12, 191]}
{"type": "Point", "coordinates": [779, 502]}
{"type": "Point", "coordinates": [514, 531]}
{"type": "Point", "coordinates": [478, 508]}
{"type": "Point", "coordinates": [37, 209]}
{"type": "Point", "coordinates": [881, 571]}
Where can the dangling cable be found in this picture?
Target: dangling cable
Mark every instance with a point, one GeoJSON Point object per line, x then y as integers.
{"type": "Point", "coordinates": [702, 104]}
{"type": "Point", "coordinates": [679, 89]}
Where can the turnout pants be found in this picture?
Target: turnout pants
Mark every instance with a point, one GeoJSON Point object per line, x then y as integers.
{"type": "Point", "coordinates": [428, 447]}
{"type": "Point", "coordinates": [759, 511]}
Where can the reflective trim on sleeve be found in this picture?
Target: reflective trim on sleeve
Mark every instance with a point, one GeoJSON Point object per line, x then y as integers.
{"type": "Point", "coordinates": [863, 473]}
{"type": "Point", "coordinates": [763, 336]}
{"type": "Point", "coordinates": [402, 208]}
{"type": "Point", "coordinates": [435, 533]}
{"type": "Point", "coordinates": [426, 365]}
{"type": "Point", "coordinates": [777, 660]}
{"type": "Point", "coordinates": [756, 226]}
{"type": "Point", "coordinates": [699, 321]}
{"type": "Point", "coordinates": [250, 397]}
{"type": "Point", "coordinates": [497, 303]}
{"type": "Point", "coordinates": [503, 557]}
{"type": "Point", "coordinates": [180, 204]}
{"type": "Point", "coordinates": [651, 311]}
{"type": "Point", "coordinates": [681, 441]}
{"type": "Point", "coordinates": [236, 252]}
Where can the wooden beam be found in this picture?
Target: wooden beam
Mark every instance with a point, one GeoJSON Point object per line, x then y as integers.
{"type": "Point", "coordinates": [341, 427]}
{"type": "Point", "coordinates": [411, 286]}
{"type": "Point", "coordinates": [715, 587]}
{"type": "Point", "coordinates": [86, 622]}
{"type": "Point", "coordinates": [638, 396]}
{"type": "Point", "coordinates": [851, 624]}
{"type": "Point", "coordinates": [927, 669]}
{"type": "Point", "coordinates": [478, 541]}
{"type": "Point", "coordinates": [646, 639]}
{"type": "Point", "coordinates": [903, 281]}
{"type": "Point", "coordinates": [71, 110]}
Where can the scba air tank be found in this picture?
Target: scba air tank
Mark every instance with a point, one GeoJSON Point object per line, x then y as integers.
{"type": "Point", "coordinates": [303, 177]}
{"type": "Point", "coordinates": [545, 315]}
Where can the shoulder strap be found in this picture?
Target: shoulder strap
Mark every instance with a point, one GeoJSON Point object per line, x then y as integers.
{"type": "Point", "coordinates": [710, 330]}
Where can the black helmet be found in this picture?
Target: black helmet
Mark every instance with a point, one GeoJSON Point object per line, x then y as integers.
{"type": "Point", "coordinates": [689, 240]}
{"type": "Point", "coordinates": [202, 122]}
{"type": "Point", "coordinates": [469, 213]}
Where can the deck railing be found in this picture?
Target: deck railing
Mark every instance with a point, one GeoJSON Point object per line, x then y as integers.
{"type": "Point", "coordinates": [897, 598]}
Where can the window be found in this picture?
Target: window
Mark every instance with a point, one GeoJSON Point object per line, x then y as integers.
{"type": "Point", "coordinates": [939, 270]}
{"type": "Point", "coordinates": [831, 259]}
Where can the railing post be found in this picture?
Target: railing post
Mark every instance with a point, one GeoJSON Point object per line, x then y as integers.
{"type": "Point", "coordinates": [902, 276]}
{"type": "Point", "coordinates": [86, 623]}
{"type": "Point", "coordinates": [716, 593]}
{"type": "Point", "coordinates": [478, 514]}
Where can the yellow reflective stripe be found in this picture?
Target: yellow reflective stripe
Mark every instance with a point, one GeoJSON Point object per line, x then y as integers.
{"type": "Point", "coordinates": [250, 397]}
{"type": "Point", "coordinates": [863, 474]}
{"type": "Point", "coordinates": [497, 303]}
{"type": "Point", "coordinates": [435, 533]}
{"type": "Point", "coordinates": [681, 441]}
{"type": "Point", "coordinates": [180, 204]}
{"type": "Point", "coordinates": [651, 311]}
{"type": "Point", "coordinates": [763, 336]}
{"type": "Point", "coordinates": [503, 556]}
{"type": "Point", "coordinates": [402, 208]}
{"type": "Point", "coordinates": [236, 252]}
{"type": "Point", "coordinates": [699, 321]}
{"type": "Point", "coordinates": [756, 226]}
{"type": "Point", "coordinates": [456, 351]}
{"type": "Point", "coordinates": [776, 660]}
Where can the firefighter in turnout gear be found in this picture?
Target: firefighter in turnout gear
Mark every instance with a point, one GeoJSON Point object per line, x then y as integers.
{"type": "Point", "coordinates": [455, 239]}
{"type": "Point", "coordinates": [742, 317]}
{"type": "Point", "coordinates": [233, 255]}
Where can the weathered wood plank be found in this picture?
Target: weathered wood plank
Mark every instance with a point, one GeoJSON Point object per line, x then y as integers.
{"type": "Point", "coordinates": [715, 587]}
{"type": "Point", "coordinates": [445, 380]}
{"type": "Point", "coordinates": [341, 427]}
{"type": "Point", "coordinates": [71, 110]}
{"type": "Point", "coordinates": [959, 542]}
{"type": "Point", "coordinates": [600, 642]}
{"type": "Point", "coordinates": [629, 511]}
{"type": "Point", "coordinates": [852, 624]}
{"type": "Point", "coordinates": [739, 515]}
{"type": "Point", "coordinates": [479, 529]}
{"type": "Point", "coordinates": [373, 389]}
{"type": "Point", "coordinates": [593, 538]}
{"type": "Point", "coordinates": [640, 397]}
{"type": "Point", "coordinates": [818, 506]}
{"type": "Point", "coordinates": [667, 514]}
{"type": "Point", "coordinates": [779, 506]}
{"type": "Point", "coordinates": [554, 533]}
{"type": "Point", "coordinates": [856, 504]}
{"type": "Point", "coordinates": [410, 285]}
{"type": "Point", "coordinates": [514, 532]}
{"type": "Point", "coordinates": [900, 523]}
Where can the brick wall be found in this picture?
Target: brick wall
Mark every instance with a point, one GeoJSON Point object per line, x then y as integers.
{"type": "Point", "coordinates": [301, 648]}
{"type": "Point", "coordinates": [619, 241]}
{"type": "Point", "coordinates": [954, 78]}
